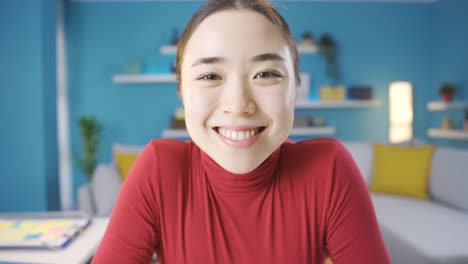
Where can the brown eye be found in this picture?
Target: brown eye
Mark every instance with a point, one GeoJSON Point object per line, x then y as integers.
{"type": "Point", "coordinates": [209, 77]}
{"type": "Point", "coordinates": [267, 74]}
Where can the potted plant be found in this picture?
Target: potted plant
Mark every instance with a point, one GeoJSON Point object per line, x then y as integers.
{"type": "Point", "coordinates": [307, 39]}
{"type": "Point", "coordinates": [447, 90]}
{"type": "Point", "coordinates": [90, 132]}
{"type": "Point", "coordinates": [328, 48]}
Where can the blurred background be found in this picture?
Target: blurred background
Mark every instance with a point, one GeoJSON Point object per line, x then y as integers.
{"type": "Point", "coordinates": [113, 61]}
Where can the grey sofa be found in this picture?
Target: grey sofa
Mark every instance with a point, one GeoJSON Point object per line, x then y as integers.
{"type": "Point", "coordinates": [424, 232]}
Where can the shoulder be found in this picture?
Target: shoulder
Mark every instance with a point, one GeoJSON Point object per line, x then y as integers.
{"type": "Point", "coordinates": [321, 148]}
{"type": "Point", "coordinates": [156, 154]}
{"type": "Point", "coordinates": [162, 155]}
{"type": "Point", "coordinates": [315, 160]}
{"type": "Point", "coordinates": [168, 148]}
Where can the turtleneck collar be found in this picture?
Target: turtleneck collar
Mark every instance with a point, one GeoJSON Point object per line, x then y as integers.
{"type": "Point", "coordinates": [241, 184]}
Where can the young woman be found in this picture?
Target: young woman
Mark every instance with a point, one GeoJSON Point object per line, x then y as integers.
{"type": "Point", "coordinates": [240, 192]}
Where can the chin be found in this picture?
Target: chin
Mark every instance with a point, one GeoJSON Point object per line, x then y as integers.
{"type": "Point", "coordinates": [241, 163]}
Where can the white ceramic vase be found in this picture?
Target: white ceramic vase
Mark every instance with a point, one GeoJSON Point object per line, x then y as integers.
{"type": "Point", "coordinates": [86, 201]}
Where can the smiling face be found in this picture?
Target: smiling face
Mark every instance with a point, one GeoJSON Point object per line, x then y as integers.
{"type": "Point", "coordinates": [238, 88]}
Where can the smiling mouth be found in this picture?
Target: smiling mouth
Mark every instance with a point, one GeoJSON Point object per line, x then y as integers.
{"type": "Point", "coordinates": [238, 135]}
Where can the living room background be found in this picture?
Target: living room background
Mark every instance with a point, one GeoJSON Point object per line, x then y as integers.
{"type": "Point", "coordinates": [423, 43]}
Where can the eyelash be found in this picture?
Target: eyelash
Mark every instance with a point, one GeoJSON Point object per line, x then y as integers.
{"type": "Point", "coordinates": [204, 77]}
{"type": "Point", "coordinates": [209, 76]}
{"type": "Point", "coordinates": [272, 73]}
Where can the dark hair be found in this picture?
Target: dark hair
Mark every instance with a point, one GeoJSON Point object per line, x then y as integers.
{"type": "Point", "coordinates": [260, 6]}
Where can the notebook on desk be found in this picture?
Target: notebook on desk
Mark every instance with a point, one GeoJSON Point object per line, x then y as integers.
{"type": "Point", "coordinates": [40, 233]}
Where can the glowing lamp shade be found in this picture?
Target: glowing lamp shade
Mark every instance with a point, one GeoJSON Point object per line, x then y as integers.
{"type": "Point", "coordinates": [401, 111]}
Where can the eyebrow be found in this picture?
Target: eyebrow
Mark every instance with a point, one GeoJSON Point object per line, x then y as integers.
{"type": "Point", "coordinates": [208, 60]}
{"type": "Point", "coordinates": [267, 57]}
{"type": "Point", "coordinates": [257, 58]}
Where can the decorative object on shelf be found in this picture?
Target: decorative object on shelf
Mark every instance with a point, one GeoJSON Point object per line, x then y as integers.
{"type": "Point", "coordinates": [175, 37]}
{"type": "Point", "coordinates": [90, 131]}
{"type": "Point", "coordinates": [307, 121]}
{"type": "Point", "coordinates": [332, 93]}
{"type": "Point", "coordinates": [178, 121]}
{"type": "Point", "coordinates": [329, 49]}
{"type": "Point", "coordinates": [317, 121]}
{"type": "Point", "coordinates": [301, 121]}
{"type": "Point", "coordinates": [465, 122]}
{"type": "Point", "coordinates": [307, 39]}
{"type": "Point", "coordinates": [360, 92]}
{"type": "Point", "coordinates": [447, 90]}
{"type": "Point", "coordinates": [303, 91]}
{"type": "Point", "coordinates": [133, 67]}
{"type": "Point", "coordinates": [447, 123]}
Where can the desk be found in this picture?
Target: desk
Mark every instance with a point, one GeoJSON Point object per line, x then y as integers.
{"type": "Point", "coordinates": [79, 251]}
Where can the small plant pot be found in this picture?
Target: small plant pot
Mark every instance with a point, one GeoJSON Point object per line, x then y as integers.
{"type": "Point", "coordinates": [446, 97]}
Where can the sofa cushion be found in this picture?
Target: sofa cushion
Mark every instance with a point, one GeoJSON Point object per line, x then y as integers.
{"type": "Point", "coordinates": [449, 177]}
{"type": "Point", "coordinates": [124, 157]}
{"type": "Point", "coordinates": [124, 162]}
{"type": "Point", "coordinates": [438, 234]}
{"type": "Point", "coordinates": [362, 153]}
{"type": "Point", "coordinates": [402, 170]}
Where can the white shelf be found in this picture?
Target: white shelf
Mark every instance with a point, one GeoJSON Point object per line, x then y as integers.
{"type": "Point", "coordinates": [296, 131]}
{"type": "Point", "coordinates": [307, 49]}
{"type": "Point", "coordinates": [447, 133]}
{"type": "Point", "coordinates": [168, 49]}
{"type": "Point", "coordinates": [175, 133]}
{"type": "Point", "coordinates": [313, 131]}
{"type": "Point", "coordinates": [440, 106]}
{"type": "Point", "coordinates": [338, 104]}
{"type": "Point", "coordinates": [144, 78]}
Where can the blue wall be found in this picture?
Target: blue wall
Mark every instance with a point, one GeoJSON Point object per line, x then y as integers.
{"type": "Point", "coordinates": [27, 111]}
{"type": "Point", "coordinates": [379, 43]}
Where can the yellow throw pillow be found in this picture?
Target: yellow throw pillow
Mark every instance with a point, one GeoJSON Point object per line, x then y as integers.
{"type": "Point", "coordinates": [124, 162]}
{"type": "Point", "coordinates": [402, 170]}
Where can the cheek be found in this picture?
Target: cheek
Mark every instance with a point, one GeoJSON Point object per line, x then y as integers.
{"type": "Point", "coordinates": [197, 104]}
{"type": "Point", "coordinates": [279, 105]}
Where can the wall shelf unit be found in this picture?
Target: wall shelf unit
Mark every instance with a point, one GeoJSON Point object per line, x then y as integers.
{"type": "Point", "coordinates": [170, 49]}
{"type": "Point", "coordinates": [175, 133]}
{"type": "Point", "coordinates": [307, 49]}
{"type": "Point", "coordinates": [296, 131]}
{"type": "Point", "coordinates": [144, 78]}
{"type": "Point", "coordinates": [339, 104]}
{"type": "Point", "coordinates": [447, 134]}
{"type": "Point", "coordinates": [441, 106]}
{"type": "Point", "coordinates": [313, 131]}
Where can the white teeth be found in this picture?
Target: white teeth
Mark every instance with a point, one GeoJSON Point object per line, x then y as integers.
{"type": "Point", "coordinates": [237, 135]}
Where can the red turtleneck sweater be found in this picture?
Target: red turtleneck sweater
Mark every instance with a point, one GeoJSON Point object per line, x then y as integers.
{"type": "Point", "coordinates": [306, 201]}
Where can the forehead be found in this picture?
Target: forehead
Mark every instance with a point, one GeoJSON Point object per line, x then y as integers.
{"type": "Point", "coordinates": [231, 31]}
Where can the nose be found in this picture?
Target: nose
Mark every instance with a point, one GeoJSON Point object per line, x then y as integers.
{"type": "Point", "coordinates": [237, 99]}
